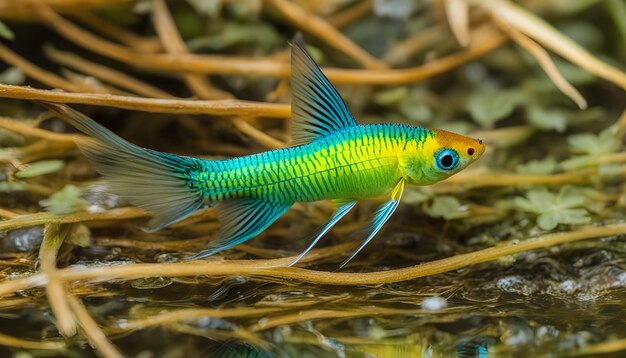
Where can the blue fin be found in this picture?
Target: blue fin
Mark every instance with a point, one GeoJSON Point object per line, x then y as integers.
{"type": "Point", "coordinates": [316, 108]}
{"type": "Point", "coordinates": [154, 181]}
{"type": "Point", "coordinates": [342, 208]}
{"type": "Point", "coordinates": [241, 220]}
{"type": "Point", "coordinates": [380, 218]}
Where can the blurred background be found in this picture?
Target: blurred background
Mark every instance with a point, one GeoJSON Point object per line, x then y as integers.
{"type": "Point", "coordinates": [523, 254]}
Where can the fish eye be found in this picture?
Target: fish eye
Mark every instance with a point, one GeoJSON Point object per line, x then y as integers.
{"type": "Point", "coordinates": [470, 151]}
{"type": "Point", "coordinates": [447, 159]}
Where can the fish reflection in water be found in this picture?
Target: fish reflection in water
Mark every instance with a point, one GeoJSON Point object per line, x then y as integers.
{"type": "Point", "coordinates": [240, 350]}
{"type": "Point", "coordinates": [477, 347]}
{"type": "Point", "coordinates": [409, 347]}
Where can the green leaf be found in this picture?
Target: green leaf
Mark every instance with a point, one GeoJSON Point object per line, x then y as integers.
{"type": "Point", "coordinates": [416, 106]}
{"type": "Point", "coordinates": [547, 119]}
{"type": "Point", "coordinates": [575, 217]}
{"type": "Point", "coordinates": [535, 200]}
{"type": "Point", "coordinates": [317, 54]}
{"type": "Point", "coordinates": [552, 209]}
{"type": "Point", "coordinates": [548, 221]}
{"type": "Point", "coordinates": [545, 166]}
{"type": "Point", "coordinates": [189, 23]}
{"type": "Point", "coordinates": [584, 142]}
{"type": "Point", "coordinates": [595, 144]}
{"type": "Point", "coordinates": [570, 197]}
{"type": "Point", "coordinates": [235, 33]}
{"type": "Point", "coordinates": [142, 7]}
{"type": "Point", "coordinates": [489, 106]}
{"type": "Point", "coordinates": [5, 32]}
{"type": "Point", "coordinates": [12, 76]}
{"type": "Point", "coordinates": [397, 10]}
{"type": "Point", "coordinates": [121, 14]}
{"type": "Point", "coordinates": [11, 186]}
{"type": "Point", "coordinates": [617, 10]}
{"type": "Point", "coordinates": [210, 8]}
{"type": "Point", "coordinates": [574, 74]}
{"type": "Point", "coordinates": [65, 201]}
{"type": "Point", "coordinates": [244, 10]}
{"type": "Point", "coordinates": [415, 110]}
{"type": "Point", "coordinates": [578, 162]}
{"type": "Point", "coordinates": [40, 168]}
{"type": "Point", "coordinates": [447, 207]}
{"type": "Point", "coordinates": [11, 139]}
{"type": "Point", "coordinates": [391, 97]}
{"type": "Point", "coordinates": [610, 170]}
{"type": "Point", "coordinates": [417, 195]}
{"type": "Point", "coordinates": [584, 33]}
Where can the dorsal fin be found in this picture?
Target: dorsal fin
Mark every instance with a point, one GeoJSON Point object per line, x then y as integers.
{"type": "Point", "coordinates": [316, 108]}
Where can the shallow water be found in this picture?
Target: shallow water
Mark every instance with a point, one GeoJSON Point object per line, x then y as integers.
{"type": "Point", "coordinates": [546, 302]}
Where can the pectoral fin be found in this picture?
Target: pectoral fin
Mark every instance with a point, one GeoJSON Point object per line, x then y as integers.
{"type": "Point", "coordinates": [342, 208]}
{"type": "Point", "coordinates": [241, 220]}
{"type": "Point", "coordinates": [383, 214]}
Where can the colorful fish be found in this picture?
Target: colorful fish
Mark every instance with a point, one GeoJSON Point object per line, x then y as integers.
{"type": "Point", "coordinates": [334, 158]}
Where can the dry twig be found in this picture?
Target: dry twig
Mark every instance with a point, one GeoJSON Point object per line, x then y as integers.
{"type": "Point", "coordinates": [544, 60]}
{"type": "Point", "coordinates": [224, 107]}
{"type": "Point", "coordinates": [174, 45]}
{"type": "Point", "coordinates": [94, 333]}
{"type": "Point", "coordinates": [539, 30]}
{"type": "Point", "coordinates": [105, 74]}
{"type": "Point", "coordinates": [268, 268]}
{"type": "Point", "coordinates": [317, 26]}
{"type": "Point", "coordinates": [53, 237]}
{"type": "Point", "coordinates": [457, 12]}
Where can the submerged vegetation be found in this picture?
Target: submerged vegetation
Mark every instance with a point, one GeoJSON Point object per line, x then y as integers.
{"type": "Point", "coordinates": [522, 254]}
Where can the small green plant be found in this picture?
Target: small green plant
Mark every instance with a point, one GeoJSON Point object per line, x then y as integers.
{"type": "Point", "coordinates": [552, 209]}
{"type": "Point", "coordinates": [40, 168]}
{"type": "Point", "coordinates": [66, 201]}
{"type": "Point", "coordinates": [490, 105]}
{"type": "Point", "coordinates": [447, 207]}
{"type": "Point", "coordinates": [591, 146]}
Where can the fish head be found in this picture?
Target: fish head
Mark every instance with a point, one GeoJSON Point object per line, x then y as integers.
{"type": "Point", "coordinates": [435, 157]}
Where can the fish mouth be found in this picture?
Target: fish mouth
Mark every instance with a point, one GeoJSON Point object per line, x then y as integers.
{"type": "Point", "coordinates": [479, 150]}
{"type": "Point", "coordinates": [474, 152]}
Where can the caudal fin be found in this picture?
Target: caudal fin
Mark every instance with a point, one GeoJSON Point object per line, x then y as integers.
{"type": "Point", "coordinates": [158, 182]}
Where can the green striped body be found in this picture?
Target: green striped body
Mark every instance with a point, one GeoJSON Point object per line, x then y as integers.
{"type": "Point", "coordinates": [357, 162]}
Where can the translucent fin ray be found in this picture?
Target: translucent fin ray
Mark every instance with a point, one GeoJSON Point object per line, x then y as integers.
{"type": "Point", "coordinates": [151, 180]}
{"type": "Point", "coordinates": [316, 107]}
{"type": "Point", "coordinates": [383, 214]}
{"type": "Point", "coordinates": [342, 208]}
{"type": "Point", "coordinates": [241, 220]}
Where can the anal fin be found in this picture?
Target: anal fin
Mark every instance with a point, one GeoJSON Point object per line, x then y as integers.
{"type": "Point", "coordinates": [241, 220]}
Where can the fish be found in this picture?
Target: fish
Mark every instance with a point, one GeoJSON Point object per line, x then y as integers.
{"type": "Point", "coordinates": [239, 350]}
{"type": "Point", "coordinates": [332, 157]}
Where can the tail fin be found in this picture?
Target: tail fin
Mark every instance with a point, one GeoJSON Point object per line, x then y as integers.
{"type": "Point", "coordinates": [158, 182]}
